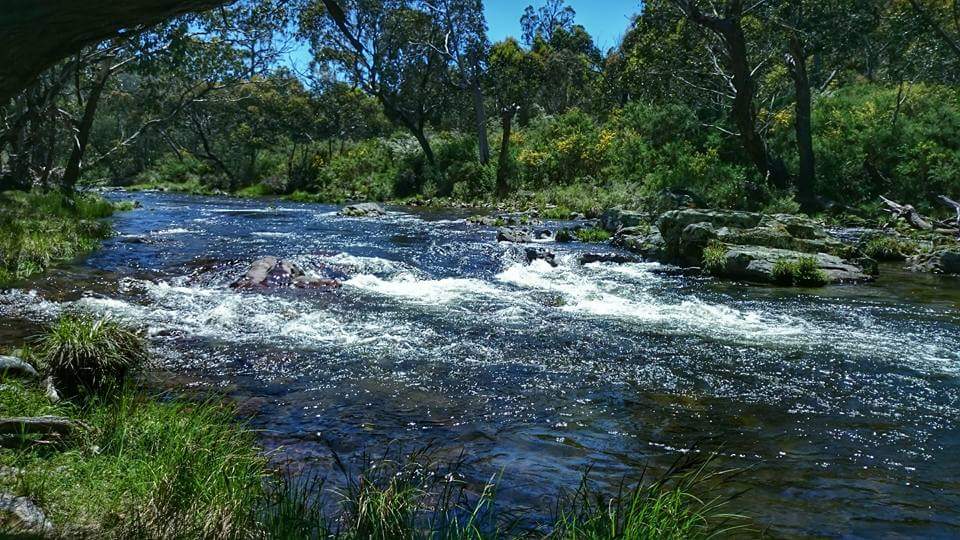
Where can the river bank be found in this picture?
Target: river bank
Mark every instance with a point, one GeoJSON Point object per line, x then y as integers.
{"type": "Point", "coordinates": [440, 333]}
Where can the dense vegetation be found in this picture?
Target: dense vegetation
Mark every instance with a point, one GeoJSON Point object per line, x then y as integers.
{"type": "Point", "coordinates": [825, 104]}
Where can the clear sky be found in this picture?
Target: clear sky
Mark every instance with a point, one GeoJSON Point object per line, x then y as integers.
{"type": "Point", "coordinates": [606, 20]}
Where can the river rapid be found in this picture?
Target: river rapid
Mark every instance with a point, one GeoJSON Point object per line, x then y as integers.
{"type": "Point", "coordinates": [842, 403]}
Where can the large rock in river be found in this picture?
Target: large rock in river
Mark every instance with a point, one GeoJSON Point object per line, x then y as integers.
{"type": "Point", "coordinates": [616, 219]}
{"type": "Point", "coordinates": [271, 272]}
{"type": "Point", "coordinates": [363, 210]}
{"type": "Point", "coordinates": [940, 262]}
{"type": "Point", "coordinates": [756, 264]}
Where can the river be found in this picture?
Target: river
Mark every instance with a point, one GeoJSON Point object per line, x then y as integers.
{"type": "Point", "coordinates": [842, 403]}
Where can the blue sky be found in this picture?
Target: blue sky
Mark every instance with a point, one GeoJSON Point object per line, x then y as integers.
{"type": "Point", "coordinates": [606, 20]}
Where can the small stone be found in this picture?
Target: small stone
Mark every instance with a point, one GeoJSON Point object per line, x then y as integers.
{"type": "Point", "coordinates": [14, 367]}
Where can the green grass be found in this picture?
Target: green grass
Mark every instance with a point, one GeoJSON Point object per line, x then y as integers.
{"type": "Point", "coordinates": [88, 355]}
{"type": "Point", "coordinates": [715, 257]}
{"type": "Point", "coordinates": [146, 468]}
{"type": "Point", "coordinates": [39, 230]}
{"type": "Point", "coordinates": [255, 191]}
{"type": "Point", "coordinates": [593, 235]}
{"type": "Point", "coordinates": [802, 272]}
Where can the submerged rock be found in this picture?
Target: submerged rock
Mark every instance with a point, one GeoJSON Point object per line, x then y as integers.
{"type": "Point", "coordinates": [363, 210]}
{"type": "Point", "coordinates": [273, 272]}
{"type": "Point", "coordinates": [614, 258]}
{"type": "Point", "coordinates": [14, 367]}
{"type": "Point", "coordinates": [541, 254]}
{"type": "Point", "coordinates": [517, 235]}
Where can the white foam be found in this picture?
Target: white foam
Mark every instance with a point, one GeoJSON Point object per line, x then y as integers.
{"type": "Point", "coordinates": [174, 231]}
{"type": "Point", "coordinates": [424, 291]}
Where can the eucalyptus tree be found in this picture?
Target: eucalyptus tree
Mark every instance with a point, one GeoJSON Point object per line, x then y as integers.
{"type": "Point", "coordinates": [385, 48]}
{"type": "Point", "coordinates": [544, 21]}
{"type": "Point", "coordinates": [513, 83]}
{"type": "Point", "coordinates": [464, 45]}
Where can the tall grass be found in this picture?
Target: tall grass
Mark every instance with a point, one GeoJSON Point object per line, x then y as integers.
{"type": "Point", "coordinates": [38, 230]}
{"type": "Point", "coordinates": [87, 354]}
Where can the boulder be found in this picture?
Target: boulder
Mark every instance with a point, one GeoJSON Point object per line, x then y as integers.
{"type": "Point", "coordinates": [14, 367]}
{"type": "Point", "coordinates": [940, 262]}
{"type": "Point", "coordinates": [363, 210]}
{"type": "Point", "coordinates": [650, 246]}
{"type": "Point", "coordinates": [20, 517]}
{"type": "Point", "coordinates": [273, 272]}
{"type": "Point", "coordinates": [614, 258]}
{"type": "Point", "coordinates": [615, 219]}
{"type": "Point", "coordinates": [517, 235]}
{"type": "Point", "coordinates": [541, 254]}
{"type": "Point", "coordinates": [543, 234]}
{"type": "Point", "coordinates": [756, 263]}
{"type": "Point", "coordinates": [671, 224]}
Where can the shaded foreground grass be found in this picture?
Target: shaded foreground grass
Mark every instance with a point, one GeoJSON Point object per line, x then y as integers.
{"type": "Point", "coordinates": [163, 467]}
{"type": "Point", "coordinates": [144, 466]}
{"type": "Point", "coordinates": [38, 230]}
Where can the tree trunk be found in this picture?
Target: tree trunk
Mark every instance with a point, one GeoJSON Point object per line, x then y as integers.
{"type": "Point", "coordinates": [424, 144]}
{"type": "Point", "coordinates": [806, 177]}
{"type": "Point", "coordinates": [82, 135]}
{"type": "Point", "coordinates": [481, 120]}
{"type": "Point", "coordinates": [730, 32]}
{"type": "Point", "coordinates": [503, 163]}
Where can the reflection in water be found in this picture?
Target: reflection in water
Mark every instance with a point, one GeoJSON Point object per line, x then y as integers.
{"type": "Point", "coordinates": [844, 401]}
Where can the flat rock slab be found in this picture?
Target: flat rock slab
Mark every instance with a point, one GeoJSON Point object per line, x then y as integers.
{"type": "Point", "coordinates": [752, 263]}
{"type": "Point", "coordinates": [39, 425]}
{"type": "Point", "coordinates": [14, 367]}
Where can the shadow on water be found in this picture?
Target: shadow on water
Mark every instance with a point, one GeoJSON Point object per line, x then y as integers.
{"type": "Point", "coordinates": [842, 401]}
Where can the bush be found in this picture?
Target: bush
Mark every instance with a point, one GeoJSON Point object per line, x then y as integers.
{"type": "Point", "coordinates": [88, 355]}
{"type": "Point", "coordinates": [862, 153]}
{"type": "Point", "coordinates": [802, 272]}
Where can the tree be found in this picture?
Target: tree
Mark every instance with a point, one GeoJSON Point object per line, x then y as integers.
{"type": "Point", "coordinates": [464, 44]}
{"type": "Point", "coordinates": [729, 31]}
{"type": "Point", "coordinates": [513, 81]}
{"type": "Point", "coordinates": [382, 46]}
{"type": "Point", "coordinates": [544, 22]}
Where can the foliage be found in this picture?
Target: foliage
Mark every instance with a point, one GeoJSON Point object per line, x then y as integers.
{"type": "Point", "coordinates": [38, 230]}
{"type": "Point", "coordinates": [85, 354]}
{"type": "Point", "coordinates": [902, 142]}
{"type": "Point", "coordinates": [802, 272]}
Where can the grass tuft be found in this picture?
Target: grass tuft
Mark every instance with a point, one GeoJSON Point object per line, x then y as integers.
{"type": "Point", "coordinates": [802, 272]}
{"type": "Point", "coordinates": [593, 235]}
{"type": "Point", "coordinates": [38, 230]}
{"type": "Point", "coordinates": [890, 248]}
{"type": "Point", "coordinates": [88, 355]}
{"type": "Point", "coordinates": [715, 257]}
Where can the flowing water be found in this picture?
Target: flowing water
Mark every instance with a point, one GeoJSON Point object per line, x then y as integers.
{"type": "Point", "coordinates": [843, 403]}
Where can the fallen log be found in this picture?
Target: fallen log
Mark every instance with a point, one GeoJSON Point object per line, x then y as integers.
{"type": "Point", "coordinates": [40, 425]}
{"type": "Point", "coordinates": [908, 213]}
{"type": "Point", "coordinates": [953, 204]}
{"type": "Point", "coordinates": [14, 367]}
